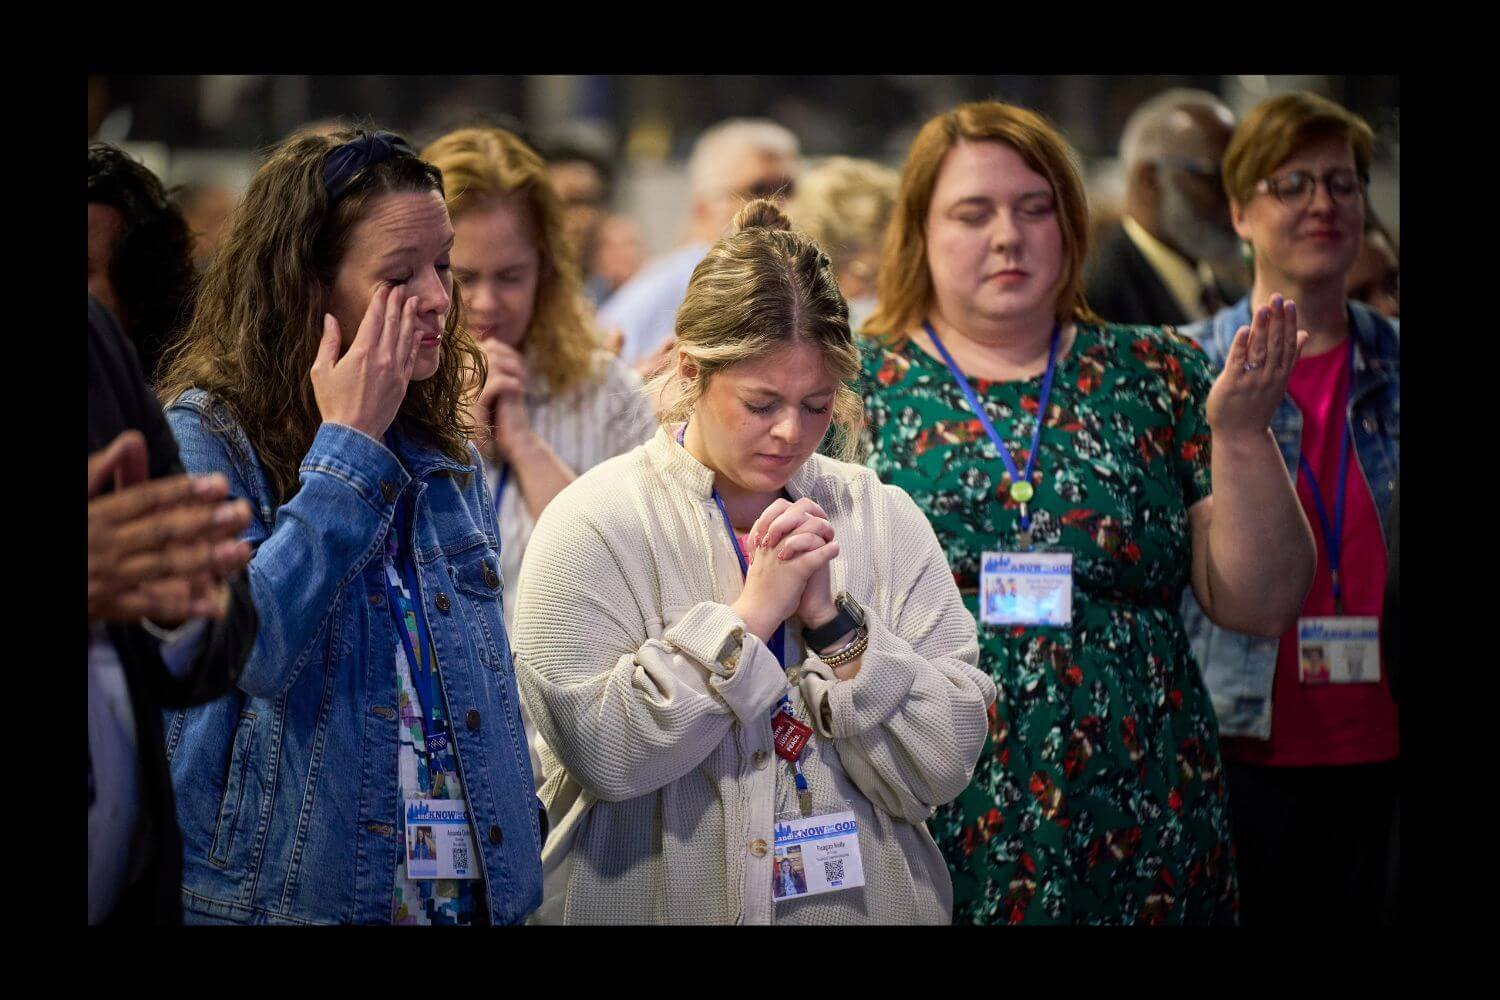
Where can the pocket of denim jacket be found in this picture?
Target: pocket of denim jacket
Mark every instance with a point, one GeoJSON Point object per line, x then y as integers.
{"type": "Point", "coordinates": [476, 575]}
{"type": "Point", "coordinates": [234, 790]}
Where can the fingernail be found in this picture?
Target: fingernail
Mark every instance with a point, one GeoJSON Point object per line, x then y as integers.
{"type": "Point", "coordinates": [228, 513]}
{"type": "Point", "coordinates": [327, 322]}
{"type": "Point", "coordinates": [1290, 304]}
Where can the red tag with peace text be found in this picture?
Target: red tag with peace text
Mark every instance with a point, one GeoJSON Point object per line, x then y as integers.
{"type": "Point", "coordinates": [791, 736]}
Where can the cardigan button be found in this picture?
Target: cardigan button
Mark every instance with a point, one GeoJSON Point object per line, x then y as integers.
{"type": "Point", "coordinates": [442, 602]}
{"type": "Point", "coordinates": [496, 836]}
{"type": "Point", "coordinates": [760, 759]}
{"type": "Point", "coordinates": [759, 847]}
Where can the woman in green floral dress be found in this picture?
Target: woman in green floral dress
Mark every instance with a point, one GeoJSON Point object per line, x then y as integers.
{"type": "Point", "coordinates": [1099, 796]}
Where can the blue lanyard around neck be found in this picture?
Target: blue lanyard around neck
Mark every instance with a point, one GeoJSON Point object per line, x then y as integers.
{"type": "Point", "coordinates": [1016, 476]}
{"type": "Point", "coordinates": [777, 645]}
{"type": "Point", "coordinates": [423, 676]}
{"type": "Point", "coordinates": [1333, 533]}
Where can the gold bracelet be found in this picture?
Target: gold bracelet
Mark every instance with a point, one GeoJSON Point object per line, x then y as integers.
{"type": "Point", "coordinates": [853, 651]}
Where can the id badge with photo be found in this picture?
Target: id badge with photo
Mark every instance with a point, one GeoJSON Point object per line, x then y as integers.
{"type": "Point", "coordinates": [1338, 650]}
{"type": "Point", "coordinates": [815, 854]}
{"type": "Point", "coordinates": [1026, 588]}
{"type": "Point", "coordinates": [439, 840]}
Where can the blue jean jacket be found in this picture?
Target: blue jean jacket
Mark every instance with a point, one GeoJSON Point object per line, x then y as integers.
{"type": "Point", "coordinates": [287, 788]}
{"type": "Point", "coordinates": [1241, 669]}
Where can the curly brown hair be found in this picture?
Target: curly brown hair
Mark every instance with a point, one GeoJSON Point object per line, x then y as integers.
{"type": "Point", "coordinates": [259, 315]}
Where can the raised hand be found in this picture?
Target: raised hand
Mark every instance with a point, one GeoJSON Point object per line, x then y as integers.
{"type": "Point", "coordinates": [158, 549]}
{"type": "Point", "coordinates": [364, 388]}
{"type": "Point", "coordinates": [508, 377]}
{"type": "Point", "coordinates": [1245, 395]}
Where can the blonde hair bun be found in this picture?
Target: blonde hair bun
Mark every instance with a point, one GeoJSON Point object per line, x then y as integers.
{"type": "Point", "coordinates": [761, 214]}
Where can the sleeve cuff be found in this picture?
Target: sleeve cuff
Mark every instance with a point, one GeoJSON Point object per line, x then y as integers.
{"type": "Point", "coordinates": [742, 670]}
{"type": "Point", "coordinates": [874, 694]}
{"type": "Point", "coordinates": [358, 460]}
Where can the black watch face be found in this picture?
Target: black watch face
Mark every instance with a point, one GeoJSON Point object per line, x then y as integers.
{"type": "Point", "coordinates": [852, 610]}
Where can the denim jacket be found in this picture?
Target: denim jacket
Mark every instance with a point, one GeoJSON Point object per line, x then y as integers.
{"type": "Point", "coordinates": [1240, 669]}
{"type": "Point", "coordinates": [287, 788]}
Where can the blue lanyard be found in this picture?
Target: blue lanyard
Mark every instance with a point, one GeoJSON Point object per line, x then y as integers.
{"type": "Point", "coordinates": [777, 645]}
{"type": "Point", "coordinates": [1020, 486]}
{"type": "Point", "coordinates": [1333, 534]}
{"type": "Point", "coordinates": [423, 675]}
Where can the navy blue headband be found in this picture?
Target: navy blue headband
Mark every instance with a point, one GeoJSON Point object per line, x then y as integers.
{"type": "Point", "coordinates": [345, 161]}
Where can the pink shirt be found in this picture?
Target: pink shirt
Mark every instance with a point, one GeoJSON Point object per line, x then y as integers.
{"type": "Point", "coordinates": [1330, 724]}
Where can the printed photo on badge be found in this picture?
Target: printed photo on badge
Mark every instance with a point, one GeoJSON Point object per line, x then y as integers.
{"type": "Point", "coordinates": [791, 875]}
{"type": "Point", "coordinates": [1314, 665]}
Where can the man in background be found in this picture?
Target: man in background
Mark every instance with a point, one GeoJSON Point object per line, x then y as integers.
{"type": "Point", "coordinates": [1173, 257]}
{"type": "Point", "coordinates": [732, 163]}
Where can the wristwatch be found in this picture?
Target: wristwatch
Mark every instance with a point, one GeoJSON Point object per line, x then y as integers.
{"type": "Point", "coordinates": [849, 616]}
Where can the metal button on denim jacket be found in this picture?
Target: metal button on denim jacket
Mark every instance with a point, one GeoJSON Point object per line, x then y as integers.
{"type": "Point", "coordinates": [1241, 669]}
{"type": "Point", "coordinates": [287, 788]}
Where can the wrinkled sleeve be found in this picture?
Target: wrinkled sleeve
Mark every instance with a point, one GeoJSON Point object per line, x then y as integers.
{"type": "Point", "coordinates": [909, 726]}
{"type": "Point", "coordinates": [319, 541]}
{"type": "Point", "coordinates": [626, 714]}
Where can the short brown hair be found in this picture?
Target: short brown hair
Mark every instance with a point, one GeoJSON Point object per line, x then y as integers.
{"type": "Point", "coordinates": [905, 283]}
{"type": "Point", "coordinates": [1276, 128]}
{"type": "Point", "coordinates": [482, 166]}
{"type": "Point", "coordinates": [759, 288]}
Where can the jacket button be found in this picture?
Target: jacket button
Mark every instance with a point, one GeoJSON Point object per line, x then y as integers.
{"type": "Point", "coordinates": [471, 719]}
{"type": "Point", "coordinates": [496, 836]}
{"type": "Point", "coordinates": [760, 758]}
{"type": "Point", "coordinates": [491, 578]}
{"type": "Point", "coordinates": [442, 602]}
{"type": "Point", "coordinates": [759, 848]}
{"type": "Point", "coordinates": [388, 490]}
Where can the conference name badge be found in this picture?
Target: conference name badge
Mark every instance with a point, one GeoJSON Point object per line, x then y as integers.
{"type": "Point", "coordinates": [1338, 650]}
{"type": "Point", "coordinates": [1026, 588]}
{"type": "Point", "coordinates": [815, 854]}
{"type": "Point", "coordinates": [439, 840]}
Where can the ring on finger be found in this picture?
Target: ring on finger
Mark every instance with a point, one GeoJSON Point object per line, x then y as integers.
{"type": "Point", "coordinates": [1250, 366]}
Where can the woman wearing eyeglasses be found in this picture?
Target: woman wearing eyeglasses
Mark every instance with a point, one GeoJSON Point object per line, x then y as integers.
{"type": "Point", "coordinates": [1311, 753]}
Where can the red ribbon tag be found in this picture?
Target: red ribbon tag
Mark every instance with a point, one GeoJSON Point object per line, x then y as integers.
{"type": "Point", "coordinates": [791, 736]}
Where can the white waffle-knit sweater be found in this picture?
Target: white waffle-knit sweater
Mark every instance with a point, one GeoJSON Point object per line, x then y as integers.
{"type": "Point", "coordinates": [655, 704]}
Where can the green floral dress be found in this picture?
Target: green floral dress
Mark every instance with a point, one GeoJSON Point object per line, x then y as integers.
{"type": "Point", "coordinates": [1099, 796]}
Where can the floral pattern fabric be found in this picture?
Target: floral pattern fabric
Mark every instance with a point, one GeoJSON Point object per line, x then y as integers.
{"type": "Point", "coordinates": [1099, 796]}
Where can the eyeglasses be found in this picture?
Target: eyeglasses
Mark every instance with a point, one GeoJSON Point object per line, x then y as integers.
{"type": "Point", "coordinates": [1206, 169]}
{"type": "Point", "coordinates": [1296, 189]}
{"type": "Point", "coordinates": [771, 188]}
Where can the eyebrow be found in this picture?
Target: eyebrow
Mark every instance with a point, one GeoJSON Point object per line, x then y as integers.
{"type": "Point", "coordinates": [762, 390]}
{"type": "Point", "coordinates": [404, 250]}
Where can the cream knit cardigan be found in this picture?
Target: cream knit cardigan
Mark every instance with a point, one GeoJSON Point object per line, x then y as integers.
{"type": "Point", "coordinates": [655, 705]}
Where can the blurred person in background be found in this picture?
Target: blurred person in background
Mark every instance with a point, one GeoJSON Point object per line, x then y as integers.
{"type": "Point", "coordinates": [170, 624]}
{"type": "Point", "coordinates": [1043, 443]}
{"type": "Point", "coordinates": [1313, 766]}
{"type": "Point", "coordinates": [325, 372]}
{"type": "Point", "coordinates": [732, 162]}
{"type": "Point", "coordinates": [554, 404]}
{"type": "Point", "coordinates": [140, 263]}
{"type": "Point", "coordinates": [582, 183]}
{"type": "Point", "coordinates": [1375, 278]}
{"type": "Point", "coordinates": [844, 205]}
{"type": "Point", "coordinates": [205, 206]}
{"type": "Point", "coordinates": [619, 254]}
{"type": "Point", "coordinates": [1173, 255]}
